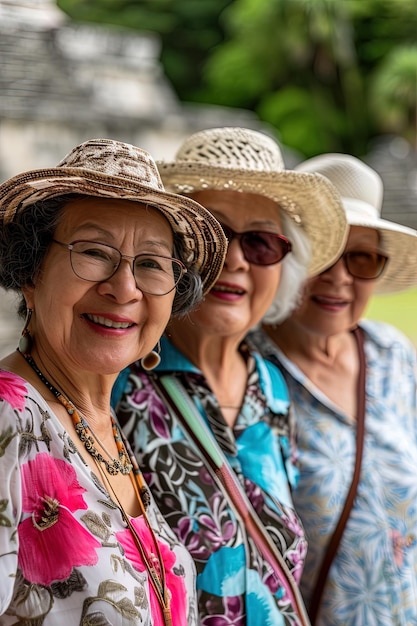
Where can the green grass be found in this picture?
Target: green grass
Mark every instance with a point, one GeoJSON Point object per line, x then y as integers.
{"type": "Point", "coordinates": [400, 310]}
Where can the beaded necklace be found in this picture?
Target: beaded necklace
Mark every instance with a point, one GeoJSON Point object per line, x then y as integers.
{"type": "Point", "coordinates": [125, 464]}
{"type": "Point", "coordinates": [83, 430]}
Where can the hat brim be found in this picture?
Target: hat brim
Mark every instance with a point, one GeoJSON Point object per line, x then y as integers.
{"type": "Point", "coordinates": [310, 200]}
{"type": "Point", "coordinates": [400, 244]}
{"type": "Point", "coordinates": [203, 236]}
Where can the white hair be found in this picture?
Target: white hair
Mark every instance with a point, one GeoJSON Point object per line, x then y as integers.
{"type": "Point", "coordinates": [293, 275]}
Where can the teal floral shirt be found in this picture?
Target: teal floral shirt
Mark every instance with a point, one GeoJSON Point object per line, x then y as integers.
{"type": "Point", "coordinates": [66, 555]}
{"type": "Point", "coordinates": [373, 579]}
{"type": "Point", "coordinates": [235, 584]}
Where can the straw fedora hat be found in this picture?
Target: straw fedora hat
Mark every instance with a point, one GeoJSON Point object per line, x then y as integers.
{"type": "Point", "coordinates": [362, 191]}
{"type": "Point", "coordinates": [106, 168]}
{"type": "Point", "coordinates": [245, 160]}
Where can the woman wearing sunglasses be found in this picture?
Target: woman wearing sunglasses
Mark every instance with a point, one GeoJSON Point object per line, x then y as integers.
{"type": "Point", "coordinates": [353, 387]}
{"type": "Point", "coordinates": [211, 423]}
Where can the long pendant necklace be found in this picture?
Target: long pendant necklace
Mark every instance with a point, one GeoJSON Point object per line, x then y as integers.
{"type": "Point", "coordinates": [154, 563]}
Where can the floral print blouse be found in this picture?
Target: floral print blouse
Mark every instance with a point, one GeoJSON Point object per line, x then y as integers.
{"type": "Point", "coordinates": [66, 555]}
{"type": "Point", "coordinates": [373, 579]}
{"type": "Point", "coordinates": [235, 584]}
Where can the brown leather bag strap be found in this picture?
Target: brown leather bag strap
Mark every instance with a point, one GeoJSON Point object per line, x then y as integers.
{"type": "Point", "coordinates": [338, 532]}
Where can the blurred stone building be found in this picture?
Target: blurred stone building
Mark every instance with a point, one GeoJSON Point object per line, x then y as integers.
{"type": "Point", "coordinates": [62, 83]}
{"type": "Point", "coordinates": [396, 162]}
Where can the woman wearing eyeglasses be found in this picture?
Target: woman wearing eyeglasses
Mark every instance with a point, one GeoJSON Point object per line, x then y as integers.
{"type": "Point", "coordinates": [211, 423]}
{"type": "Point", "coordinates": [100, 256]}
{"type": "Point", "coordinates": [353, 386]}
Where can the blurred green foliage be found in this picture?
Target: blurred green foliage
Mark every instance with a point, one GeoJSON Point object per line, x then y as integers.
{"type": "Point", "coordinates": [188, 29]}
{"type": "Point", "coordinates": [328, 75]}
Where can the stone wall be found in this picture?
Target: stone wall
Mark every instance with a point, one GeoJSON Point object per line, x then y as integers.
{"type": "Point", "coordinates": [62, 83]}
{"type": "Point", "coordinates": [396, 162]}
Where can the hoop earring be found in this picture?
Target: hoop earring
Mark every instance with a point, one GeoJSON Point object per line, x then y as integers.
{"type": "Point", "coordinates": [152, 359]}
{"type": "Point", "coordinates": [25, 341]}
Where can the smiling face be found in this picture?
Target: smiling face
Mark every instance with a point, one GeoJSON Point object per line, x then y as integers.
{"type": "Point", "coordinates": [100, 327]}
{"type": "Point", "coordinates": [335, 301]}
{"type": "Point", "coordinates": [244, 291]}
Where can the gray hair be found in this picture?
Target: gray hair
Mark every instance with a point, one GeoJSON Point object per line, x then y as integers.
{"type": "Point", "coordinates": [189, 291]}
{"type": "Point", "coordinates": [25, 241]}
{"type": "Point", "coordinates": [293, 275]}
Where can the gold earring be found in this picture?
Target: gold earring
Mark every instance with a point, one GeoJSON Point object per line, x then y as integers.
{"type": "Point", "coordinates": [152, 359]}
{"type": "Point", "coordinates": [25, 341]}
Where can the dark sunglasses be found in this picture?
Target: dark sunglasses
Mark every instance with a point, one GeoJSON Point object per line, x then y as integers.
{"type": "Point", "coordinates": [364, 264]}
{"type": "Point", "coordinates": [259, 247]}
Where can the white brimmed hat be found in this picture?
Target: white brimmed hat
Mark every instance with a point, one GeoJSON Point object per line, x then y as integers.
{"type": "Point", "coordinates": [362, 190]}
{"type": "Point", "coordinates": [240, 159]}
{"type": "Point", "coordinates": [106, 168]}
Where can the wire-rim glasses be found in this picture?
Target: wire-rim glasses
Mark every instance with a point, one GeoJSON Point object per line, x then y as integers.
{"type": "Point", "coordinates": [96, 262]}
{"type": "Point", "coordinates": [260, 247]}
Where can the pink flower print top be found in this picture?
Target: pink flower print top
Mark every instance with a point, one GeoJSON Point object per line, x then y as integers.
{"type": "Point", "coordinates": [66, 555]}
{"type": "Point", "coordinates": [13, 390]}
{"type": "Point", "coordinates": [50, 523]}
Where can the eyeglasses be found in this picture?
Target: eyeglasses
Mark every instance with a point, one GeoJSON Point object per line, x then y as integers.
{"type": "Point", "coordinates": [154, 274]}
{"type": "Point", "coordinates": [364, 264]}
{"type": "Point", "coordinates": [259, 247]}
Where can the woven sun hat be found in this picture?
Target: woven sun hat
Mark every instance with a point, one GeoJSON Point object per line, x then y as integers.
{"type": "Point", "coordinates": [245, 160]}
{"type": "Point", "coordinates": [105, 168]}
{"type": "Point", "coordinates": [362, 191]}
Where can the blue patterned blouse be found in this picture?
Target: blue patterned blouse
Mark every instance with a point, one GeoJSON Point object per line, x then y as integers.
{"type": "Point", "coordinates": [373, 580]}
{"type": "Point", "coordinates": [235, 584]}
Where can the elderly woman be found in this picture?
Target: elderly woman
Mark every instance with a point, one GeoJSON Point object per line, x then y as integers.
{"type": "Point", "coordinates": [211, 424]}
{"type": "Point", "coordinates": [353, 387]}
{"type": "Point", "coordinates": [101, 255]}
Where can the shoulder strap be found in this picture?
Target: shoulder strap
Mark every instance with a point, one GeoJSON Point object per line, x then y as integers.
{"type": "Point", "coordinates": [334, 541]}
{"type": "Point", "coordinates": [185, 409]}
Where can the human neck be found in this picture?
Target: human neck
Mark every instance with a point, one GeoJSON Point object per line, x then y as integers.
{"type": "Point", "coordinates": [83, 429]}
{"type": "Point", "coordinates": [222, 364]}
{"type": "Point", "coordinates": [297, 342]}
{"type": "Point", "coordinates": [89, 392]}
{"type": "Point", "coordinates": [211, 353]}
